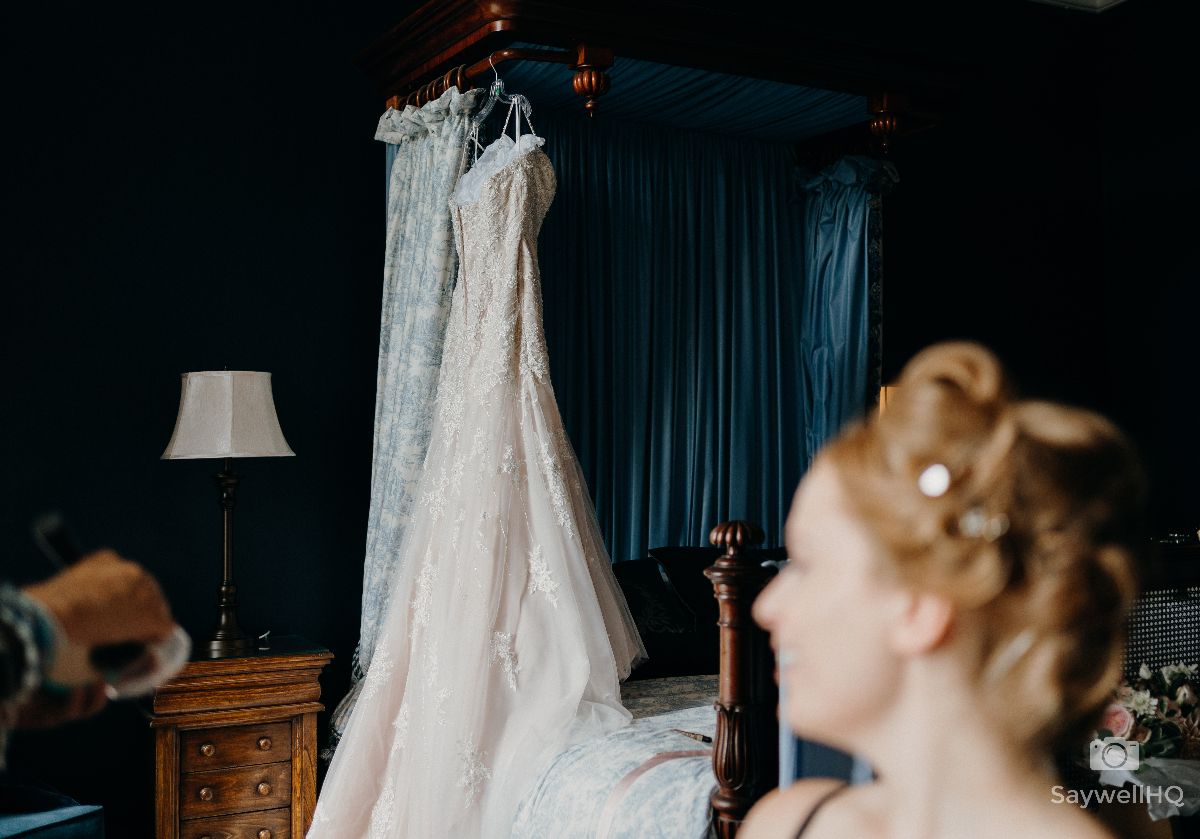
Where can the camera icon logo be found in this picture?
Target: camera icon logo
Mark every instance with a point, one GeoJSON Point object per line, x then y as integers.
{"type": "Point", "coordinates": [1114, 753]}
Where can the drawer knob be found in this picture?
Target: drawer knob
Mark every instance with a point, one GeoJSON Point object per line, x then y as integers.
{"type": "Point", "coordinates": [206, 836]}
{"type": "Point", "coordinates": [264, 788]}
{"type": "Point", "coordinates": [208, 750]}
{"type": "Point", "coordinates": [264, 743]}
{"type": "Point", "coordinates": [206, 793]}
{"type": "Point", "coordinates": [265, 834]}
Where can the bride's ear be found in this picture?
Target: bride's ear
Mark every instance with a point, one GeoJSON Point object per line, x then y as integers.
{"type": "Point", "coordinates": [921, 622]}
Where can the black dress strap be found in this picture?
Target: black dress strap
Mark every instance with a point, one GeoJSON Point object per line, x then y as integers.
{"type": "Point", "coordinates": [821, 802]}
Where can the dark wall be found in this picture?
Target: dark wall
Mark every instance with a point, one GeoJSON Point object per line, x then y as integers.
{"type": "Point", "coordinates": [992, 233]}
{"type": "Point", "coordinates": [1050, 218]}
{"type": "Point", "coordinates": [189, 191]}
{"type": "Point", "coordinates": [1150, 276]}
{"type": "Point", "coordinates": [201, 191]}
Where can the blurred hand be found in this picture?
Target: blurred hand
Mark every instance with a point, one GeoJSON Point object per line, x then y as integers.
{"type": "Point", "coordinates": [104, 599]}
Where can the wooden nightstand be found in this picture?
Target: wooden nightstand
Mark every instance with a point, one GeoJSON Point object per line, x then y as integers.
{"type": "Point", "coordinates": [236, 745]}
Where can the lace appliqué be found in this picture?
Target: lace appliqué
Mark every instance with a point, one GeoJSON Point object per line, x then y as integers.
{"type": "Point", "coordinates": [434, 499]}
{"type": "Point", "coordinates": [480, 544]}
{"type": "Point", "coordinates": [381, 671]}
{"type": "Point", "coordinates": [540, 578]}
{"type": "Point", "coordinates": [401, 726]}
{"type": "Point", "coordinates": [477, 442]}
{"type": "Point", "coordinates": [509, 465]}
{"type": "Point", "coordinates": [505, 654]}
{"type": "Point", "coordinates": [383, 813]}
{"type": "Point", "coordinates": [431, 667]}
{"type": "Point", "coordinates": [423, 599]}
{"type": "Point", "coordinates": [443, 696]}
{"type": "Point", "coordinates": [473, 773]}
{"type": "Point", "coordinates": [456, 474]}
{"type": "Point", "coordinates": [552, 472]}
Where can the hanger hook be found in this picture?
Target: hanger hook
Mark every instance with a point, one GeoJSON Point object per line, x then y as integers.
{"type": "Point", "coordinates": [493, 66]}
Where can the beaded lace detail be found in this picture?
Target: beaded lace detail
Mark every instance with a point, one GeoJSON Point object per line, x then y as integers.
{"type": "Point", "coordinates": [474, 773]}
{"type": "Point", "coordinates": [504, 653]}
{"type": "Point", "coordinates": [540, 578]}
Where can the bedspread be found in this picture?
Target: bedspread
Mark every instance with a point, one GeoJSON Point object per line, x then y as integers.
{"type": "Point", "coordinates": [642, 782]}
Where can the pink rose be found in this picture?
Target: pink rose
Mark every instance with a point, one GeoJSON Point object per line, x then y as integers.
{"type": "Point", "coordinates": [1186, 695]}
{"type": "Point", "coordinates": [1118, 720]}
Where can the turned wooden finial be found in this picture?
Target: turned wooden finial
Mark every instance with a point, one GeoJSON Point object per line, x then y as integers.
{"type": "Point", "coordinates": [591, 74]}
{"type": "Point", "coordinates": [884, 122]}
{"type": "Point", "coordinates": [591, 83]}
{"type": "Point", "coordinates": [732, 536]}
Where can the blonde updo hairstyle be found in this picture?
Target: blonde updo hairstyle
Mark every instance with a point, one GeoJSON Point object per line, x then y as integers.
{"type": "Point", "coordinates": [1032, 540]}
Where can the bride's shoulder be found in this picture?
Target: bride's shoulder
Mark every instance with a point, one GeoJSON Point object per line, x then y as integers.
{"type": "Point", "coordinates": [780, 812]}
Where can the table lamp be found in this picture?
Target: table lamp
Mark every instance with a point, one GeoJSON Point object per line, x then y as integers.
{"type": "Point", "coordinates": [227, 414]}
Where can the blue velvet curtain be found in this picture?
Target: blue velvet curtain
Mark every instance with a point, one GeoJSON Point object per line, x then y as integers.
{"type": "Point", "coordinates": [673, 281]}
{"type": "Point", "coordinates": [835, 314]}
{"type": "Point", "coordinates": [840, 242]}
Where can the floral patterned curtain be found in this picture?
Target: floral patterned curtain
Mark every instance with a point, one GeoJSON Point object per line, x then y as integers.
{"type": "Point", "coordinates": [427, 153]}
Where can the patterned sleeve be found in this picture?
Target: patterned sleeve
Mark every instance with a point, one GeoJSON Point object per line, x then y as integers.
{"type": "Point", "coordinates": [25, 639]}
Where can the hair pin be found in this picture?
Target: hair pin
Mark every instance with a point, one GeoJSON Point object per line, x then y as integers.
{"type": "Point", "coordinates": [976, 523]}
{"type": "Point", "coordinates": [934, 480]}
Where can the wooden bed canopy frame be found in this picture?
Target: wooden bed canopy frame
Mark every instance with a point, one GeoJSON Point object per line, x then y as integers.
{"type": "Point", "coordinates": [456, 43]}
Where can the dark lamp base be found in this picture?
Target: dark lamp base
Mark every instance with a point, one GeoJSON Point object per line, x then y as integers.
{"type": "Point", "coordinates": [228, 647]}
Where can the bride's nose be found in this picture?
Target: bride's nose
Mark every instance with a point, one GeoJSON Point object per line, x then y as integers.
{"type": "Point", "coordinates": [765, 608]}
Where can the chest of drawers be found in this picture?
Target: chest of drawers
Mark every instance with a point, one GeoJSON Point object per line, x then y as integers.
{"type": "Point", "coordinates": [236, 745]}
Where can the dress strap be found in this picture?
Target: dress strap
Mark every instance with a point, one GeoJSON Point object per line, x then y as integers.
{"type": "Point", "coordinates": [508, 116]}
{"type": "Point", "coordinates": [521, 105]}
{"type": "Point", "coordinates": [821, 802]}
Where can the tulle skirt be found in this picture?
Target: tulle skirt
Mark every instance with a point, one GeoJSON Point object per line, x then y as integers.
{"type": "Point", "coordinates": [505, 638]}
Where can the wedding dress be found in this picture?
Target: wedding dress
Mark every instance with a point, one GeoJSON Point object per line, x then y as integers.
{"type": "Point", "coordinates": [506, 634]}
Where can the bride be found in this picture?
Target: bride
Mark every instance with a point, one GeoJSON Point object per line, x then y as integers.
{"type": "Point", "coordinates": [506, 634]}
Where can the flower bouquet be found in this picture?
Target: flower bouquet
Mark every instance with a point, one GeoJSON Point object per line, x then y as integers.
{"type": "Point", "coordinates": [1150, 737]}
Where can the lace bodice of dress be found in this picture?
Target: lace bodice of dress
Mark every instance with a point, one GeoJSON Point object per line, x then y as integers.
{"type": "Point", "coordinates": [495, 332]}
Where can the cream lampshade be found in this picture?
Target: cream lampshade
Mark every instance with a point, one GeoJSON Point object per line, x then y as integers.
{"type": "Point", "coordinates": [227, 414]}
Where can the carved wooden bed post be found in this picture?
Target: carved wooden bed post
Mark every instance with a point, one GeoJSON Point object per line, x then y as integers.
{"type": "Point", "coordinates": [746, 746]}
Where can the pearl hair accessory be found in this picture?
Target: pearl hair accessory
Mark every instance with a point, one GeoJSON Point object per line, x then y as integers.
{"type": "Point", "coordinates": [934, 481]}
{"type": "Point", "coordinates": [976, 523]}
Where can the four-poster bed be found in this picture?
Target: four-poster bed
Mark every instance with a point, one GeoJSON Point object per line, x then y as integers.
{"type": "Point", "coordinates": [460, 43]}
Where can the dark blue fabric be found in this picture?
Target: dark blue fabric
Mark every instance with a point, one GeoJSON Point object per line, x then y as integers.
{"type": "Point", "coordinates": [672, 268]}
{"type": "Point", "coordinates": [833, 327]}
{"type": "Point", "coordinates": [693, 100]}
{"type": "Point", "coordinates": [836, 360]}
{"type": "Point", "coordinates": [81, 821]}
